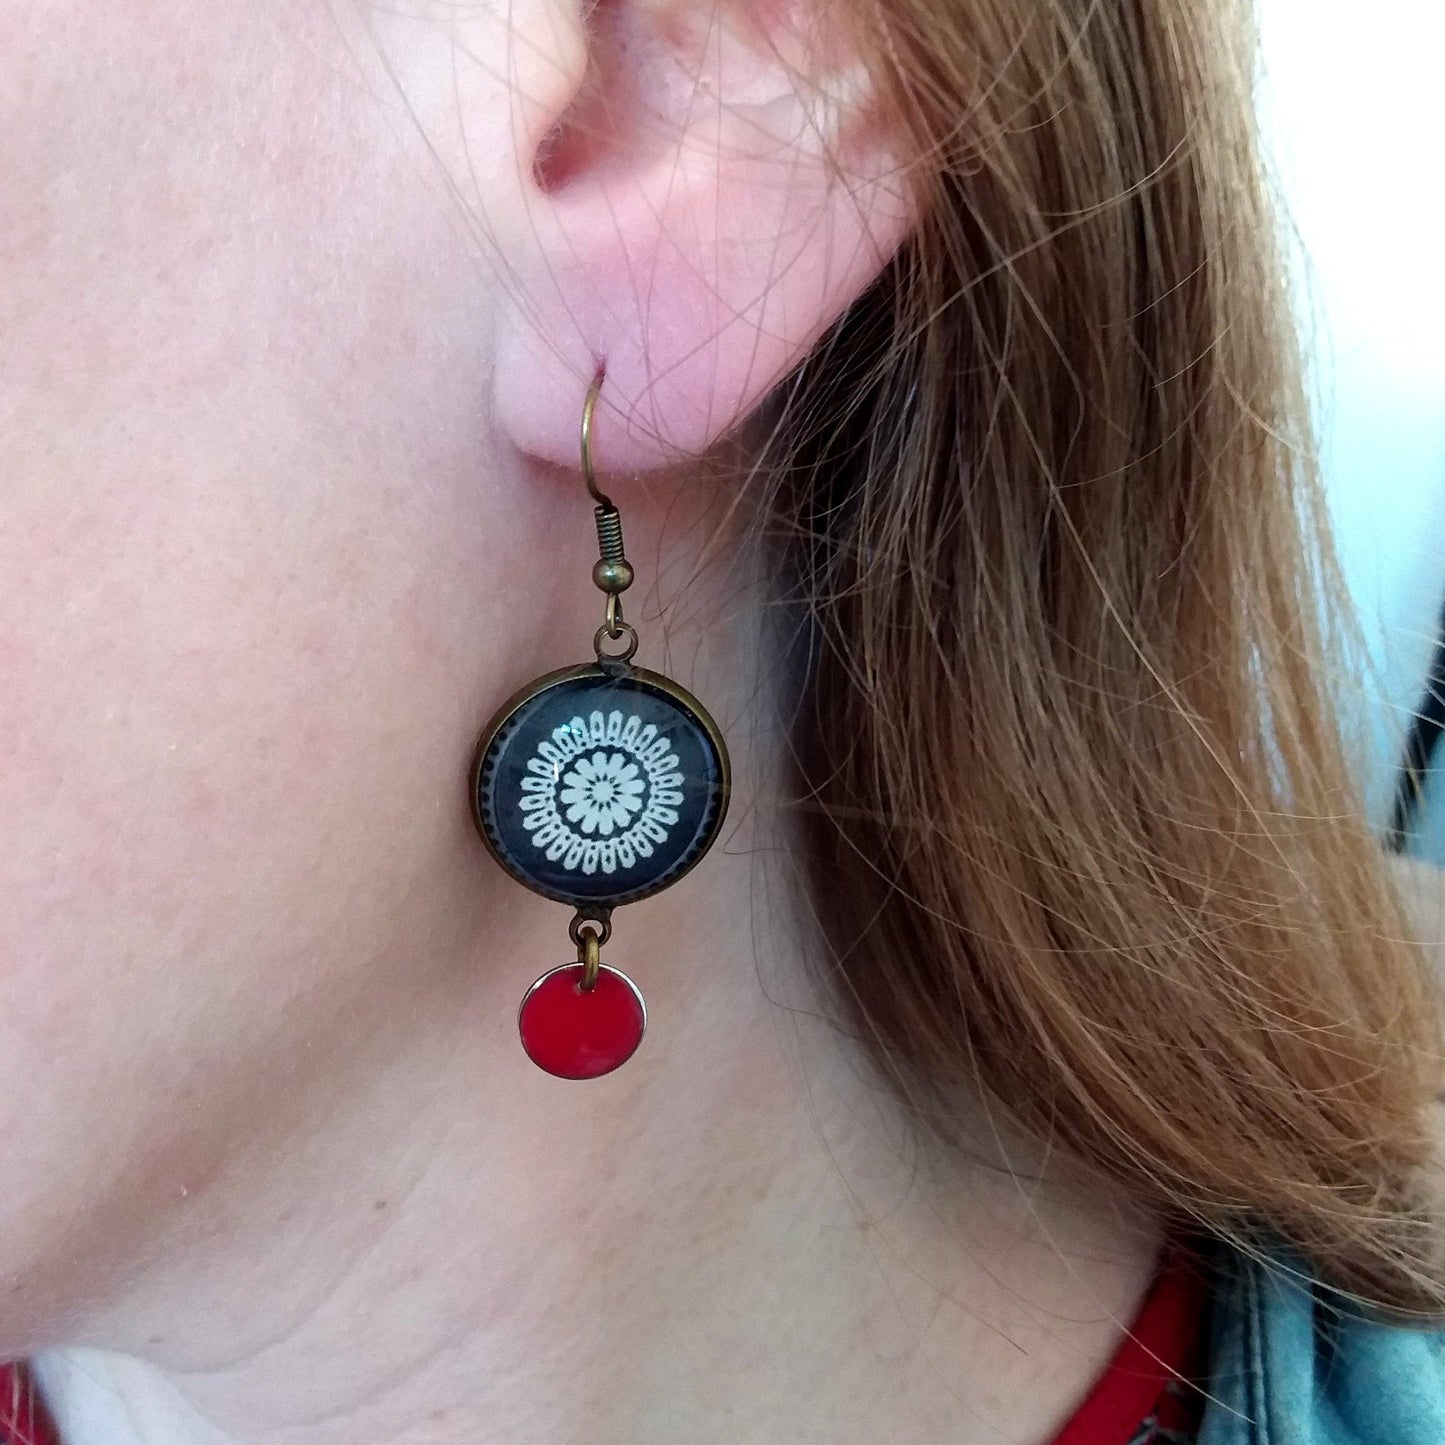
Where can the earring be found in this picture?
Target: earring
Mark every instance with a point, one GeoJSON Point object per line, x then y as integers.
{"type": "Point", "coordinates": [597, 785]}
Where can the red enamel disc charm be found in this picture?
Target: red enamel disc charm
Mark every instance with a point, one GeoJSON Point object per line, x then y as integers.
{"type": "Point", "coordinates": [577, 1035]}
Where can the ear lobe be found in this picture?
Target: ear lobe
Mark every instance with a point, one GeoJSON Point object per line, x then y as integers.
{"type": "Point", "coordinates": [695, 229]}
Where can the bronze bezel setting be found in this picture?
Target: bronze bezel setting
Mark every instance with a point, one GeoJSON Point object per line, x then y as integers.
{"type": "Point", "coordinates": [598, 903]}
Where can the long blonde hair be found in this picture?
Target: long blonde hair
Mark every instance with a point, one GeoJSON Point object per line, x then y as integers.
{"type": "Point", "coordinates": [1083, 810]}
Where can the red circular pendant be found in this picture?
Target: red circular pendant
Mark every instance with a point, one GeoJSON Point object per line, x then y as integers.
{"type": "Point", "coordinates": [577, 1035]}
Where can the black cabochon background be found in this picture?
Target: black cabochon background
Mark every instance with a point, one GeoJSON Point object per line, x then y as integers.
{"type": "Point", "coordinates": [502, 767]}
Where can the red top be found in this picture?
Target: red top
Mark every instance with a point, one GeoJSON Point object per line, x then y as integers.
{"type": "Point", "coordinates": [1147, 1394]}
{"type": "Point", "coordinates": [1142, 1398]}
{"type": "Point", "coordinates": [23, 1418]}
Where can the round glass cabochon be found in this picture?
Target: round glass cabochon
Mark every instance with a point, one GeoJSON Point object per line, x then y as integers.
{"type": "Point", "coordinates": [600, 787]}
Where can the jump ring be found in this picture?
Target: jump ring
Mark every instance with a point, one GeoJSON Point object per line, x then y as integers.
{"type": "Point", "coordinates": [601, 929]}
{"type": "Point", "coordinates": [625, 629]}
{"type": "Point", "coordinates": [589, 955]}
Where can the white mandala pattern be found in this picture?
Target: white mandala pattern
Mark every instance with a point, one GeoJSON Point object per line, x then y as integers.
{"type": "Point", "coordinates": [601, 792]}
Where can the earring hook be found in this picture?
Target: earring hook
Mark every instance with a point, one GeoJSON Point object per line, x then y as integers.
{"type": "Point", "coordinates": [588, 408]}
{"type": "Point", "coordinates": [613, 572]}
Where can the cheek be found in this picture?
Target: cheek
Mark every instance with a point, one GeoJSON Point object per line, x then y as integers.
{"type": "Point", "coordinates": [212, 716]}
{"type": "Point", "coordinates": [234, 736]}
{"type": "Point", "coordinates": [244, 636]}
{"type": "Point", "coordinates": [225, 360]}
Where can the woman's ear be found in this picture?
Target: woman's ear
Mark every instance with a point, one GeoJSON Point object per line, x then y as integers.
{"type": "Point", "coordinates": [716, 192]}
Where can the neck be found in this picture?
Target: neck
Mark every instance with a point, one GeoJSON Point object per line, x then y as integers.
{"type": "Point", "coordinates": [734, 1237]}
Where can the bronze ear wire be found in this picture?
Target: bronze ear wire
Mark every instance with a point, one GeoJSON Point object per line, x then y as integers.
{"type": "Point", "coordinates": [595, 786]}
{"type": "Point", "coordinates": [612, 572]}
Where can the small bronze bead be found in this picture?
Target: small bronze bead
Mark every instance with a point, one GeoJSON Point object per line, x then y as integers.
{"type": "Point", "coordinates": [613, 576]}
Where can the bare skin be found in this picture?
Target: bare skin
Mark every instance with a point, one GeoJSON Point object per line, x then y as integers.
{"type": "Point", "coordinates": [284, 520]}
